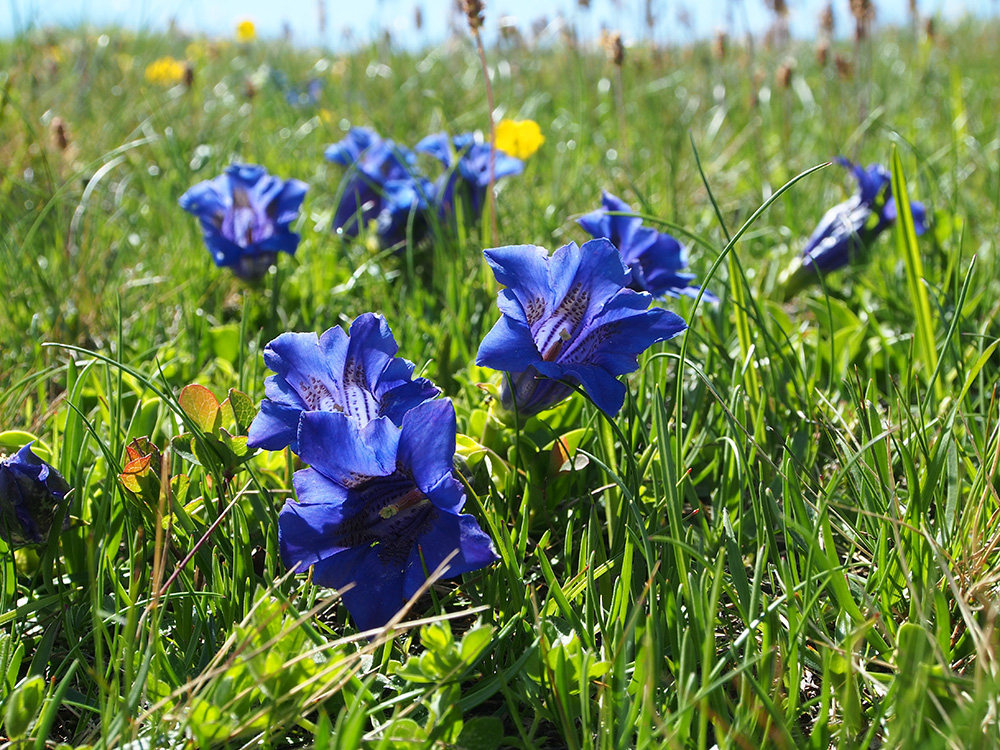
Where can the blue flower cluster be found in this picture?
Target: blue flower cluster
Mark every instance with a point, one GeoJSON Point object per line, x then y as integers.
{"type": "Point", "coordinates": [379, 506]}
{"type": "Point", "coordinates": [31, 492]}
{"type": "Point", "coordinates": [384, 185]}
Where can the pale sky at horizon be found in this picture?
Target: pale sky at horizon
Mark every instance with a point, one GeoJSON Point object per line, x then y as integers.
{"type": "Point", "coordinates": [365, 18]}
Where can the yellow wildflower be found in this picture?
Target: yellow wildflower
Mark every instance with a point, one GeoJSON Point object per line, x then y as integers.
{"type": "Point", "coordinates": [166, 71]}
{"type": "Point", "coordinates": [246, 31]}
{"type": "Point", "coordinates": [519, 138]}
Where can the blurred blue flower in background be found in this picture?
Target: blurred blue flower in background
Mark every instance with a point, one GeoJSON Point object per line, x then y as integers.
{"type": "Point", "coordinates": [655, 259]}
{"type": "Point", "coordinates": [245, 215]}
{"type": "Point", "coordinates": [568, 317]}
{"type": "Point", "coordinates": [30, 494]}
{"type": "Point", "coordinates": [357, 374]}
{"type": "Point", "coordinates": [467, 163]}
{"type": "Point", "coordinates": [850, 227]}
{"type": "Point", "coordinates": [378, 507]}
{"type": "Point", "coordinates": [404, 212]}
{"type": "Point", "coordinates": [376, 165]}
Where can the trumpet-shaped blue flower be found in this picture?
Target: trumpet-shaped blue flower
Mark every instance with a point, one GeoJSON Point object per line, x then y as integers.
{"type": "Point", "coordinates": [358, 375]}
{"type": "Point", "coordinates": [850, 226]}
{"type": "Point", "coordinates": [568, 317]}
{"type": "Point", "coordinates": [654, 259]}
{"type": "Point", "coordinates": [245, 216]}
{"type": "Point", "coordinates": [30, 494]}
{"type": "Point", "coordinates": [378, 507]}
{"type": "Point", "coordinates": [467, 165]}
{"type": "Point", "coordinates": [379, 170]}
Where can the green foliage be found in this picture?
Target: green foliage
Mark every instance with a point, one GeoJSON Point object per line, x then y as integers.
{"type": "Point", "coordinates": [787, 539]}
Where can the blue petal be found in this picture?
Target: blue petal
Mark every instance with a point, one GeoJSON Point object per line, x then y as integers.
{"type": "Point", "coordinates": [298, 358]}
{"type": "Point", "coordinates": [604, 389]}
{"type": "Point", "coordinates": [508, 346]}
{"type": "Point", "coordinates": [596, 268]}
{"type": "Point", "coordinates": [207, 199]}
{"type": "Point", "coordinates": [334, 444]}
{"type": "Point", "coordinates": [377, 591]}
{"type": "Point", "coordinates": [289, 201]}
{"type": "Point", "coordinates": [359, 203]}
{"type": "Point", "coordinates": [524, 270]}
{"type": "Point", "coordinates": [274, 427]}
{"type": "Point", "coordinates": [451, 533]}
{"type": "Point", "coordinates": [917, 210]}
{"type": "Point", "coordinates": [437, 145]}
{"type": "Point", "coordinates": [349, 150]}
{"type": "Point", "coordinates": [836, 237]}
{"type": "Point", "coordinates": [620, 334]}
{"type": "Point", "coordinates": [307, 528]}
{"type": "Point", "coordinates": [427, 443]}
{"type": "Point", "coordinates": [620, 230]}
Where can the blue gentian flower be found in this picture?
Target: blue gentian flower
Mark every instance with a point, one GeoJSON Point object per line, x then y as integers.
{"type": "Point", "coordinates": [378, 507]}
{"type": "Point", "coordinates": [245, 216]}
{"type": "Point", "coordinates": [358, 375]}
{"type": "Point", "coordinates": [568, 317]}
{"type": "Point", "coordinates": [30, 494]}
{"type": "Point", "coordinates": [467, 163]}
{"type": "Point", "coordinates": [655, 259]}
{"type": "Point", "coordinates": [850, 226]}
{"type": "Point", "coordinates": [376, 165]}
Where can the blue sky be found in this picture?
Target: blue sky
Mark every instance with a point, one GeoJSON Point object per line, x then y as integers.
{"type": "Point", "coordinates": [365, 17]}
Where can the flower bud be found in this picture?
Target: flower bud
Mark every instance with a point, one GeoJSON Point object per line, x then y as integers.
{"type": "Point", "coordinates": [30, 494]}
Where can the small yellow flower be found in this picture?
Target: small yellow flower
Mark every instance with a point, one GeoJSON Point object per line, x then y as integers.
{"type": "Point", "coordinates": [519, 138]}
{"type": "Point", "coordinates": [166, 71]}
{"type": "Point", "coordinates": [246, 31]}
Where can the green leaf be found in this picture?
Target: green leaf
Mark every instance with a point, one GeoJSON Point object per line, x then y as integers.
{"type": "Point", "coordinates": [474, 643]}
{"type": "Point", "coordinates": [202, 406]}
{"type": "Point", "coordinates": [906, 241]}
{"type": "Point", "coordinates": [14, 440]}
{"type": "Point", "coordinates": [23, 706]}
{"type": "Point", "coordinates": [243, 409]}
{"type": "Point", "coordinates": [404, 734]}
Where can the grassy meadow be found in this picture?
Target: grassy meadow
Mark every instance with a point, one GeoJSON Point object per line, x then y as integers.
{"type": "Point", "coordinates": [788, 538]}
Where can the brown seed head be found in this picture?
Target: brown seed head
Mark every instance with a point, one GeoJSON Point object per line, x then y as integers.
{"type": "Point", "coordinates": [778, 7]}
{"type": "Point", "coordinates": [60, 137]}
{"type": "Point", "coordinates": [719, 44]}
{"type": "Point", "coordinates": [844, 67]}
{"type": "Point", "coordinates": [822, 52]}
{"type": "Point", "coordinates": [826, 20]}
{"type": "Point", "coordinates": [474, 13]}
{"type": "Point", "coordinates": [418, 17]}
{"type": "Point", "coordinates": [862, 10]}
{"type": "Point", "coordinates": [783, 76]}
{"type": "Point", "coordinates": [188, 74]}
{"type": "Point", "coordinates": [613, 47]}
